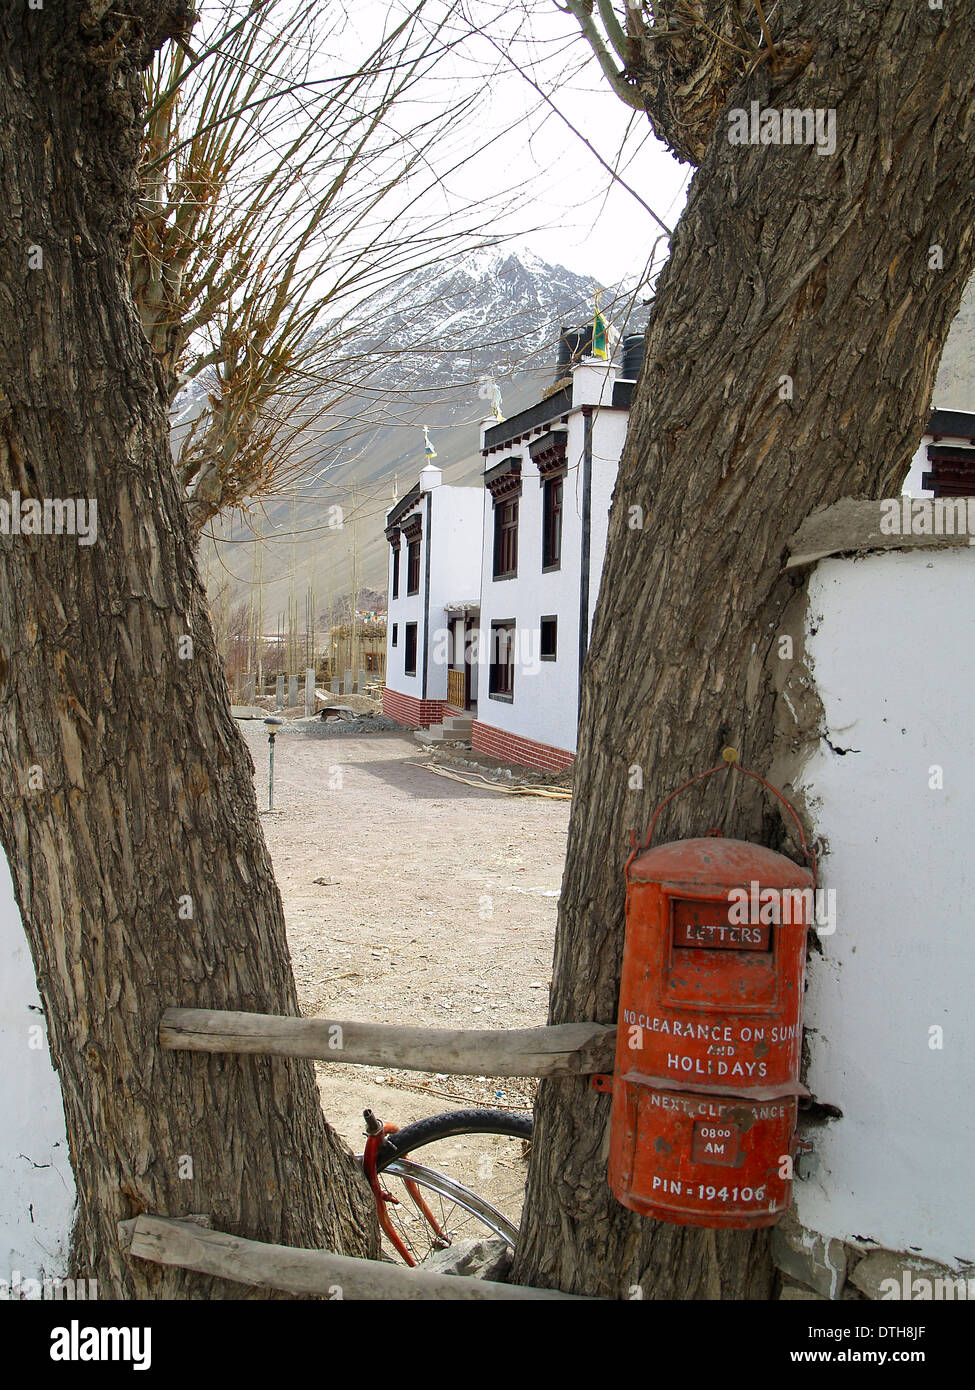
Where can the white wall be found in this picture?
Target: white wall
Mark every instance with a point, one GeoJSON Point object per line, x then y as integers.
{"type": "Point", "coordinates": [455, 563]}
{"type": "Point", "coordinates": [546, 694]}
{"type": "Point", "coordinates": [545, 704]}
{"type": "Point", "coordinates": [455, 572]}
{"type": "Point", "coordinates": [36, 1182]}
{"type": "Point", "coordinates": [919, 465]}
{"type": "Point", "coordinates": [892, 644]}
{"type": "Point", "coordinates": [407, 608]}
{"type": "Point", "coordinates": [608, 438]}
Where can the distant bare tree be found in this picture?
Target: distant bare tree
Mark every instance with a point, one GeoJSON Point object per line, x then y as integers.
{"type": "Point", "coordinates": [127, 806]}
{"type": "Point", "coordinates": [284, 183]}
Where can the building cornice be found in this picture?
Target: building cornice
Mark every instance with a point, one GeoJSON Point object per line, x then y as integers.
{"type": "Point", "coordinates": [548, 453]}
{"type": "Point", "coordinates": [947, 424]}
{"type": "Point", "coordinates": [405, 504]}
{"type": "Point", "coordinates": [528, 422]}
{"type": "Point", "coordinates": [504, 479]}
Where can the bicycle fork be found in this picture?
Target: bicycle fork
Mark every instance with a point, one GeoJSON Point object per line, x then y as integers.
{"type": "Point", "coordinates": [376, 1133]}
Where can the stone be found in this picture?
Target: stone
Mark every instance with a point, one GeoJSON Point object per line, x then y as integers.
{"type": "Point", "coordinates": [818, 1262]}
{"type": "Point", "coordinates": [340, 711]}
{"type": "Point", "coordinates": [792, 1293]}
{"type": "Point", "coordinates": [891, 1274]}
{"type": "Point", "coordinates": [486, 1258]}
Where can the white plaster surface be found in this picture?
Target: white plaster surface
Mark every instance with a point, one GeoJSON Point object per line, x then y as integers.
{"type": "Point", "coordinates": [455, 575]}
{"type": "Point", "coordinates": [545, 701]}
{"type": "Point", "coordinates": [36, 1182]}
{"type": "Point", "coordinates": [545, 707]}
{"type": "Point", "coordinates": [892, 642]}
{"type": "Point", "coordinates": [546, 693]}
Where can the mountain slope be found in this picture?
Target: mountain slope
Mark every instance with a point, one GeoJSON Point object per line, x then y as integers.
{"type": "Point", "coordinates": [433, 345]}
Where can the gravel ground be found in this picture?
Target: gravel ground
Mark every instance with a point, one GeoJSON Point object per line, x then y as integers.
{"type": "Point", "coordinates": [409, 898]}
{"type": "Point", "coordinates": [316, 727]}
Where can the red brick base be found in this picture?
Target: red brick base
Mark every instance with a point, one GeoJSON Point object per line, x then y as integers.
{"type": "Point", "coordinates": [525, 752]}
{"type": "Point", "coordinates": [408, 710]}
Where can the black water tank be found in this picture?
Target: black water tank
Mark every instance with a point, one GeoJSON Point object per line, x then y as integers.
{"type": "Point", "coordinates": [574, 343]}
{"type": "Point", "coordinates": [633, 344]}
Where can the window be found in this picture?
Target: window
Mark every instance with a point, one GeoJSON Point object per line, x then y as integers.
{"type": "Point", "coordinates": [395, 634]}
{"type": "Point", "coordinates": [372, 661]}
{"type": "Point", "coordinates": [552, 523]}
{"type": "Point", "coordinates": [549, 635]}
{"type": "Point", "coordinates": [501, 685]}
{"type": "Point", "coordinates": [409, 655]}
{"type": "Point", "coordinates": [396, 572]}
{"type": "Point", "coordinates": [413, 567]}
{"type": "Point", "coordinates": [506, 539]}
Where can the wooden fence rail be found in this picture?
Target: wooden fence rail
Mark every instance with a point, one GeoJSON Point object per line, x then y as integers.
{"type": "Point", "coordinates": [566, 1048]}
{"type": "Point", "coordinates": [297, 1271]}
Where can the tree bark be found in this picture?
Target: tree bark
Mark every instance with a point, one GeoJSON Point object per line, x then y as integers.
{"type": "Point", "coordinates": [128, 811]}
{"type": "Point", "coordinates": [786, 263]}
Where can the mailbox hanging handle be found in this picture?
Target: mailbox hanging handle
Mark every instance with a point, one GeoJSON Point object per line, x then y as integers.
{"type": "Point", "coordinates": [730, 760]}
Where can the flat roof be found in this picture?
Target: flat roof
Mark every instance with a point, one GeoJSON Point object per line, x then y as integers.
{"type": "Point", "coordinates": [960, 423]}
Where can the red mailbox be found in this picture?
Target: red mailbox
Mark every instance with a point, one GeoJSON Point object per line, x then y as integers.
{"type": "Point", "coordinates": [710, 1033]}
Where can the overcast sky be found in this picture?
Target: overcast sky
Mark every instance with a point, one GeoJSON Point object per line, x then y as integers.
{"type": "Point", "coordinates": [572, 212]}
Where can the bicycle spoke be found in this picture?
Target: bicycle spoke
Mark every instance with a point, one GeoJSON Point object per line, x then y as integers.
{"type": "Point", "coordinates": [436, 1206]}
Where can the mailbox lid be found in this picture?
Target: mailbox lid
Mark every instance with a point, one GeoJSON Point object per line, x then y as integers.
{"type": "Point", "coordinates": [711, 861]}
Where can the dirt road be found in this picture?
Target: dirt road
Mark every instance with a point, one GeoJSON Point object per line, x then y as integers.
{"type": "Point", "coordinates": [437, 906]}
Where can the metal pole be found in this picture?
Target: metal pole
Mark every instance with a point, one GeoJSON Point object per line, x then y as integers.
{"type": "Point", "coordinates": [272, 725]}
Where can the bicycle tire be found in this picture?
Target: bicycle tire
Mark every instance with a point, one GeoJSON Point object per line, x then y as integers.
{"type": "Point", "coordinates": [434, 1127]}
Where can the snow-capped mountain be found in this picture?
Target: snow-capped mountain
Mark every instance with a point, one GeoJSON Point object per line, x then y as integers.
{"type": "Point", "coordinates": [425, 352]}
{"type": "Point", "coordinates": [495, 310]}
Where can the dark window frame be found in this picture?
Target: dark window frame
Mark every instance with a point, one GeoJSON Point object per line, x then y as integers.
{"type": "Point", "coordinates": [506, 521]}
{"type": "Point", "coordinates": [553, 505]}
{"type": "Point", "coordinates": [395, 637]}
{"type": "Point", "coordinates": [502, 686]}
{"type": "Point", "coordinates": [395, 584]}
{"type": "Point", "coordinates": [413, 566]}
{"type": "Point", "coordinates": [414, 629]}
{"type": "Point", "coordinates": [553, 655]}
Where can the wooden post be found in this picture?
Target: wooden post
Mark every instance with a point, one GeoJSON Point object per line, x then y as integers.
{"type": "Point", "coordinates": [296, 1271]}
{"type": "Point", "coordinates": [566, 1048]}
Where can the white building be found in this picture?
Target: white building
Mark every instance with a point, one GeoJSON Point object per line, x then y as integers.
{"type": "Point", "coordinates": [944, 465]}
{"type": "Point", "coordinates": [434, 536]}
{"type": "Point", "coordinates": [548, 481]}
{"type": "Point", "coordinates": [507, 643]}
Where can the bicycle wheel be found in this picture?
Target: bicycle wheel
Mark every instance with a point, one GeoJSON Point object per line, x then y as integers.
{"type": "Point", "coordinates": [475, 1190]}
{"type": "Point", "coordinates": [450, 1125]}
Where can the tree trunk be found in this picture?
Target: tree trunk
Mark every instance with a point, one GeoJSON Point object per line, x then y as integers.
{"type": "Point", "coordinates": [128, 811]}
{"type": "Point", "coordinates": [786, 263]}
